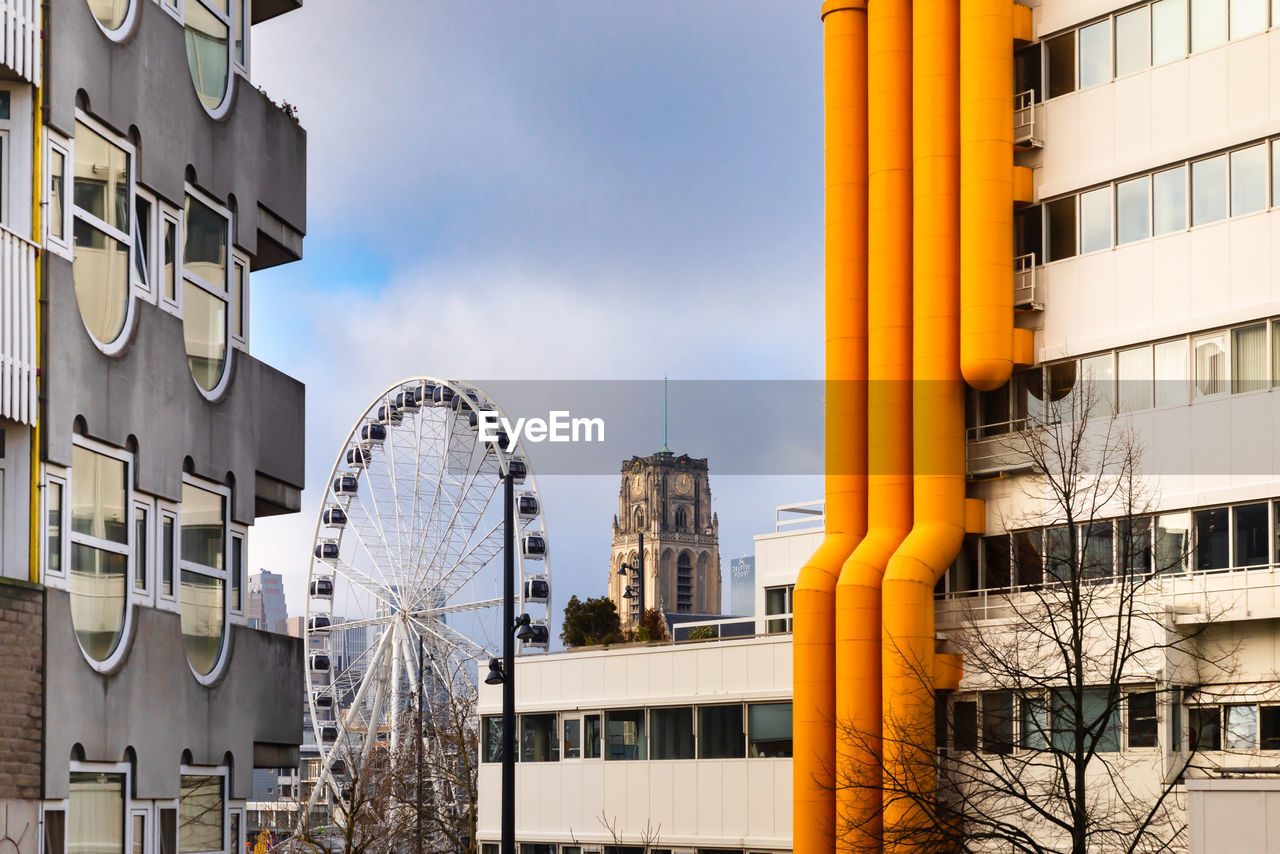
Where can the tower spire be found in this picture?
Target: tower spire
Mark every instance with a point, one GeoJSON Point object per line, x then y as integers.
{"type": "Point", "coordinates": [665, 449]}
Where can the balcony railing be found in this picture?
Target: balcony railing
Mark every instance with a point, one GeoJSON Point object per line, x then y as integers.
{"type": "Point", "coordinates": [20, 39]}
{"type": "Point", "coordinates": [1028, 290]}
{"type": "Point", "coordinates": [1024, 120]}
{"type": "Point", "coordinates": [994, 449]}
{"type": "Point", "coordinates": [18, 399]}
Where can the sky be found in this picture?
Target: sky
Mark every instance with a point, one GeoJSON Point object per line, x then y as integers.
{"type": "Point", "coordinates": [559, 190]}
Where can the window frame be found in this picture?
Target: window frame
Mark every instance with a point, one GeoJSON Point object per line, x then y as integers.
{"type": "Point", "coordinates": [56, 579]}
{"type": "Point", "coordinates": [238, 302]}
{"type": "Point", "coordinates": [123, 768]}
{"type": "Point", "coordinates": [57, 143]}
{"type": "Point", "coordinates": [181, 565]}
{"type": "Point", "coordinates": [134, 810]}
{"type": "Point", "coordinates": [126, 330]}
{"type": "Point", "coordinates": [227, 18]}
{"type": "Point", "coordinates": [169, 216]}
{"type": "Point", "coordinates": [167, 510]}
{"type": "Point", "coordinates": [238, 533]}
{"type": "Point", "coordinates": [70, 537]}
{"type": "Point", "coordinates": [206, 771]}
{"type": "Point", "coordinates": [144, 595]}
{"type": "Point", "coordinates": [225, 294]}
{"type": "Point", "coordinates": [148, 290]}
{"type": "Point", "coordinates": [123, 32]}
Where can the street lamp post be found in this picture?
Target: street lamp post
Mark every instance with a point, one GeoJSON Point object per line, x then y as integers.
{"type": "Point", "coordinates": [508, 666]}
{"type": "Point", "coordinates": [638, 569]}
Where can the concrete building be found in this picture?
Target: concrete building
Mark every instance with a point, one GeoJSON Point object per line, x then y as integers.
{"type": "Point", "coordinates": [143, 179]}
{"type": "Point", "coordinates": [267, 609]}
{"type": "Point", "coordinates": [666, 499]}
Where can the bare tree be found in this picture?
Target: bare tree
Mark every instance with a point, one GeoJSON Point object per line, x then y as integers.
{"type": "Point", "coordinates": [647, 839]}
{"type": "Point", "coordinates": [1070, 640]}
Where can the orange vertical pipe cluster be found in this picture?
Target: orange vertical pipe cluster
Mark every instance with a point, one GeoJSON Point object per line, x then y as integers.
{"type": "Point", "coordinates": [986, 192]}
{"type": "Point", "coordinates": [858, 686]}
{"type": "Point", "coordinates": [937, 433]}
{"type": "Point", "coordinates": [813, 701]}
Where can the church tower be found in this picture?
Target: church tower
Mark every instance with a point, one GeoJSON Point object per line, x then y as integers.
{"type": "Point", "coordinates": [668, 499]}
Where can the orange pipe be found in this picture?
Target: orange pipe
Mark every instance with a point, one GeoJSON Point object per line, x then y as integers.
{"type": "Point", "coordinates": [937, 431]}
{"type": "Point", "coordinates": [986, 192]}
{"type": "Point", "coordinates": [858, 713]}
{"type": "Point", "coordinates": [813, 700]}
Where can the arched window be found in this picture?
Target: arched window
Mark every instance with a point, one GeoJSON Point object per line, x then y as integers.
{"type": "Point", "coordinates": [103, 224]}
{"type": "Point", "coordinates": [639, 519]}
{"type": "Point", "coordinates": [684, 583]}
{"type": "Point", "coordinates": [207, 235]}
{"type": "Point", "coordinates": [204, 574]}
{"type": "Point", "coordinates": [208, 25]}
{"type": "Point", "coordinates": [682, 519]}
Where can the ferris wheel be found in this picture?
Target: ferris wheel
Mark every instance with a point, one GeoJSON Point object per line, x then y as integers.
{"type": "Point", "coordinates": [408, 566]}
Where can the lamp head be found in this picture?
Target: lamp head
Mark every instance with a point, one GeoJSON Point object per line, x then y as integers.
{"type": "Point", "coordinates": [494, 676]}
{"type": "Point", "coordinates": [524, 631]}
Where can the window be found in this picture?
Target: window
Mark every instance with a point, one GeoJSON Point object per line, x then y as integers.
{"type": "Point", "coordinates": [1205, 725]}
{"type": "Point", "coordinates": [997, 722]}
{"type": "Point", "coordinates": [58, 224]}
{"type": "Point", "coordinates": [55, 831]}
{"type": "Point", "coordinates": [491, 731]}
{"type": "Point", "coordinates": [1060, 216]}
{"type": "Point", "coordinates": [140, 539]}
{"type": "Point", "coordinates": [964, 725]}
{"type": "Point", "coordinates": [1252, 535]}
{"type": "Point", "coordinates": [591, 737]}
{"type": "Point", "coordinates": [1209, 190]}
{"type": "Point", "coordinates": [167, 555]}
{"type": "Point", "coordinates": [538, 739]}
{"type": "Point", "coordinates": [1141, 708]}
{"type": "Point", "coordinates": [572, 738]}
{"type": "Point", "coordinates": [769, 730]}
{"type": "Point", "coordinates": [1275, 353]}
{"type": "Point", "coordinates": [208, 35]}
{"type": "Point", "coordinates": [240, 300]}
{"type": "Point", "coordinates": [237, 573]}
{"type": "Point", "coordinates": [201, 806]}
{"type": "Point", "coordinates": [1212, 538]}
{"type": "Point", "coordinates": [110, 14]}
{"type": "Point", "coordinates": [1058, 553]}
{"type": "Point", "coordinates": [1211, 365]}
{"type": "Point", "coordinates": [777, 600]}
{"type": "Point", "coordinates": [1133, 210]}
{"type": "Point", "coordinates": [204, 539]}
{"type": "Point", "coordinates": [53, 528]}
{"type": "Point", "coordinates": [1133, 41]}
{"type": "Point", "coordinates": [99, 549]}
{"type": "Point", "coordinates": [1242, 727]}
{"type": "Point", "coordinates": [204, 291]}
{"type": "Point", "coordinates": [1248, 17]}
{"type": "Point", "coordinates": [1173, 542]}
{"type": "Point", "coordinates": [95, 812]}
{"type": "Point", "coordinates": [1269, 727]}
{"type": "Point", "coordinates": [1248, 180]}
{"type": "Point", "coordinates": [1249, 358]}
{"type": "Point", "coordinates": [1027, 555]}
{"type": "Point", "coordinates": [103, 232]}
{"type": "Point", "coordinates": [720, 732]}
{"type": "Point", "coordinates": [1208, 24]}
{"type": "Point", "coordinates": [996, 562]}
{"type": "Point", "coordinates": [1097, 558]}
{"type": "Point", "coordinates": [1172, 376]}
{"type": "Point", "coordinates": [143, 210]}
{"type": "Point", "coordinates": [1169, 200]}
{"type": "Point", "coordinates": [139, 833]}
{"type": "Point", "coordinates": [1133, 546]}
{"type": "Point", "coordinates": [1135, 373]}
{"type": "Point", "coordinates": [1033, 723]}
{"type": "Point", "coordinates": [1062, 64]}
{"type": "Point", "coordinates": [1095, 220]}
{"type": "Point", "coordinates": [1101, 727]}
{"type": "Point", "coordinates": [241, 33]}
{"type": "Point", "coordinates": [1095, 54]}
{"type": "Point", "coordinates": [1099, 373]}
{"type": "Point", "coordinates": [1168, 30]}
{"type": "Point", "coordinates": [964, 571]}
{"type": "Point", "coordinates": [169, 270]}
{"type": "Point", "coordinates": [624, 729]}
{"type": "Point", "coordinates": [671, 733]}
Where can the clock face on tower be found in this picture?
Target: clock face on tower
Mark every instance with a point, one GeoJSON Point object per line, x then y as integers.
{"type": "Point", "coordinates": [637, 484]}
{"type": "Point", "coordinates": [684, 483]}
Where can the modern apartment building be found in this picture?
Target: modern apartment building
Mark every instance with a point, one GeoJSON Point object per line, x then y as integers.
{"type": "Point", "coordinates": [267, 609]}
{"type": "Point", "coordinates": [144, 177]}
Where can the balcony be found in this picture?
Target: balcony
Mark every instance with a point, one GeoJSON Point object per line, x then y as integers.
{"type": "Point", "coordinates": [994, 450]}
{"type": "Point", "coordinates": [17, 328]}
{"type": "Point", "coordinates": [1028, 288]}
{"type": "Point", "coordinates": [1024, 121]}
{"type": "Point", "coordinates": [1226, 595]}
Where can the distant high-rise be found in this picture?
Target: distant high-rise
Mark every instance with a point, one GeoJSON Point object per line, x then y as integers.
{"type": "Point", "coordinates": [267, 609]}
{"type": "Point", "coordinates": [742, 585]}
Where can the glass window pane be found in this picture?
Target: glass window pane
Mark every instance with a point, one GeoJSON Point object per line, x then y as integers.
{"type": "Point", "coordinates": [102, 178]}
{"type": "Point", "coordinates": [167, 556]}
{"type": "Point", "coordinates": [95, 813]}
{"type": "Point", "coordinates": [1212, 538]}
{"type": "Point", "coordinates": [204, 328]}
{"type": "Point", "coordinates": [98, 588]}
{"type": "Point", "coordinates": [110, 13]}
{"type": "Point", "coordinates": [1211, 365]}
{"type": "Point", "coordinates": [142, 245]}
{"type": "Point", "coordinates": [1252, 535]}
{"type": "Point", "coordinates": [1133, 41]}
{"type": "Point", "coordinates": [720, 732]}
{"type": "Point", "coordinates": [1027, 558]}
{"type": "Point", "coordinates": [1168, 30]}
{"type": "Point", "coordinates": [1169, 193]}
{"type": "Point", "coordinates": [1275, 352]}
{"type": "Point", "coordinates": [1208, 24]}
{"type": "Point", "coordinates": [139, 834]}
{"type": "Point", "coordinates": [1091, 710]}
{"type": "Point", "coordinates": [1034, 723]}
{"type": "Point", "coordinates": [491, 732]}
{"type": "Point", "coordinates": [1142, 719]}
{"type": "Point", "coordinates": [769, 730]}
{"type": "Point", "coordinates": [204, 246]}
{"type": "Point", "coordinates": [1062, 64]}
{"type": "Point", "coordinates": [240, 296]}
{"type": "Point", "coordinates": [1095, 54]}
{"type": "Point", "coordinates": [200, 813]}
{"type": "Point", "coordinates": [57, 194]}
{"type": "Point", "coordinates": [1060, 217]}
{"type": "Point", "coordinates": [1205, 725]}
{"type": "Point", "coordinates": [671, 733]}
{"type": "Point", "coordinates": [572, 738]}
{"type": "Point", "coordinates": [997, 562]}
{"type": "Point", "coordinates": [140, 551]}
{"type": "Point", "coordinates": [1209, 190]}
{"type": "Point", "coordinates": [997, 722]}
{"type": "Point", "coordinates": [1242, 727]}
{"type": "Point", "coordinates": [55, 832]}
{"type": "Point", "coordinates": [99, 495]}
{"type": "Point", "coordinates": [170, 260]}
{"type": "Point", "coordinates": [1099, 373]}
{"type": "Point", "coordinates": [241, 13]}
{"type": "Point", "coordinates": [1059, 563]}
{"type": "Point", "coordinates": [591, 736]}
{"type": "Point", "coordinates": [1269, 729]}
{"type": "Point", "coordinates": [1248, 17]}
{"type": "Point", "coordinates": [208, 54]}
{"type": "Point", "coordinates": [1173, 542]}
{"type": "Point", "coordinates": [1097, 550]}
{"type": "Point", "coordinates": [1172, 374]}
{"type": "Point", "coordinates": [1095, 220]}
{"type": "Point", "coordinates": [965, 725]}
{"type": "Point", "coordinates": [1133, 210]}
{"type": "Point", "coordinates": [1248, 180]}
{"type": "Point", "coordinates": [538, 739]}
{"type": "Point", "coordinates": [1133, 545]}
{"type": "Point", "coordinates": [964, 570]}
{"type": "Point", "coordinates": [203, 620]}
{"type": "Point", "coordinates": [203, 526]}
{"type": "Point", "coordinates": [624, 732]}
{"type": "Point", "coordinates": [101, 274]}
{"type": "Point", "coordinates": [1249, 358]}
{"type": "Point", "coordinates": [237, 573]}
{"type": "Point", "coordinates": [1135, 375]}
{"type": "Point", "coordinates": [1277, 540]}
{"type": "Point", "coordinates": [53, 529]}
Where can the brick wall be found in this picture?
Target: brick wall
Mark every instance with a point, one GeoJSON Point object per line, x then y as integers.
{"type": "Point", "coordinates": [21, 685]}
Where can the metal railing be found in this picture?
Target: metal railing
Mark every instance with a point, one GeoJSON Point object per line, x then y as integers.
{"type": "Point", "coordinates": [18, 391]}
{"type": "Point", "coordinates": [1024, 120]}
{"type": "Point", "coordinates": [1028, 290]}
{"type": "Point", "coordinates": [732, 628]}
{"type": "Point", "coordinates": [995, 448]}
